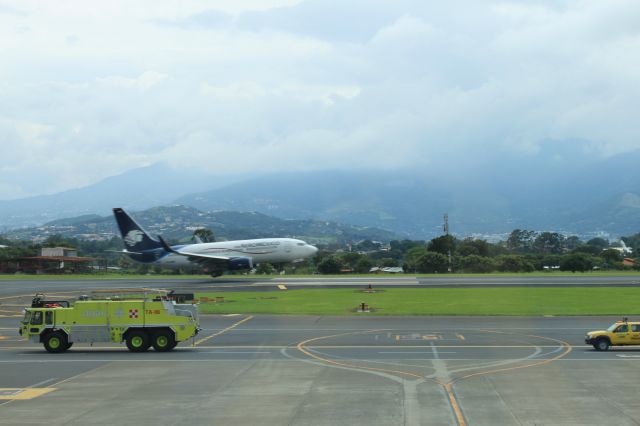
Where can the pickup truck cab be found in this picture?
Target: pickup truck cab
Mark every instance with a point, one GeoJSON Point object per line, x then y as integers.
{"type": "Point", "coordinates": [620, 333]}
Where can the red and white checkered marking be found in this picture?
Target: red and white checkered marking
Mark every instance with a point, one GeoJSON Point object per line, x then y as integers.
{"type": "Point", "coordinates": [133, 313]}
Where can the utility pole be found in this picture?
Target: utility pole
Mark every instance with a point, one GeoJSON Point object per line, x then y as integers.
{"type": "Point", "coordinates": [446, 232]}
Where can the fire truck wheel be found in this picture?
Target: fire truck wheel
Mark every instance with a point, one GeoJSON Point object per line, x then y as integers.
{"type": "Point", "coordinates": [163, 341]}
{"type": "Point", "coordinates": [137, 341]}
{"type": "Point", "coordinates": [55, 342]}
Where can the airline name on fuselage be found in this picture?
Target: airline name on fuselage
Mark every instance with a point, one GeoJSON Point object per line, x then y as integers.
{"type": "Point", "coordinates": [261, 244]}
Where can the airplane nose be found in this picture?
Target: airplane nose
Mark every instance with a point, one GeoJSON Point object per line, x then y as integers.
{"type": "Point", "coordinates": [314, 249]}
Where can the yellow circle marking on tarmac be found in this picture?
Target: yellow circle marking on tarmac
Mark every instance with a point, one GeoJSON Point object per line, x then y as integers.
{"type": "Point", "coordinates": [448, 385]}
{"type": "Point", "coordinates": [22, 393]}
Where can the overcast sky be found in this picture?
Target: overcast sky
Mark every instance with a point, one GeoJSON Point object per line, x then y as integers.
{"type": "Point", "coordinates": [90, 89]}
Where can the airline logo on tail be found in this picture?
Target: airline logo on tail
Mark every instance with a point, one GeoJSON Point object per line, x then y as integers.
{"type": "Point", "coordinates": [133, 237]}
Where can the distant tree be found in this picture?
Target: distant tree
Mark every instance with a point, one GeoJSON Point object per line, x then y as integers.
{"type": "Point", "coordinates": [404, 245]}
{"type": "Point", "coordinates": [549, 260]}
{"type": "Point", "coordinates": [611, 257]}
{"type": "Point", "coordinates": [388, 262]}
{"type": "Point", "coordinates": [57, 240]}
{"type": "Point", "coordinates": [432, 262]}
{"type": "Point", "coordinates": [18, 250]}
{"type": "Point", "coordinates": [548, 242]}
{"type": "Point", "coordinates": [572, 242]}
{"type": "Point", "coordinates": [477, 264]}
{"type": "Point", "coordinates": [521, 241]}
{"type": "Point", "coordinates": [469, 246]}
{"type": "Point", "coordinates": [444, 244]}
{"type": "Point", "coordinates": [329, 265]}
{"type": "Point", "coordinates": [367, 245]}
{"type": "Point", "coordinates": [412, 258]}
{"type": "Point", "coordinates": [265, 268]}
{"type": "Point", "coordinates": [598, 243]}
{"type": "Point", "coordinates": [206, 235]}
{"type": "Point", "coordinates": [588, 249]}
{"type": "Point", "coordinates": [349, 260]}
{"type": "Point", "coordinates": [573, 262]}
{"type": "Point", "coordinates": [363, 265]}
{"type": "Point", "coordinates": [514, 263]}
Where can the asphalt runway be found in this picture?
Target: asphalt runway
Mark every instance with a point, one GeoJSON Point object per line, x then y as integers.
{"type": "Point", "coordinates": [309, 370]}
{"type": "Point", "coordinates": [10, 287]}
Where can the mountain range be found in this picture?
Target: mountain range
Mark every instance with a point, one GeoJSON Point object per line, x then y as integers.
{"type": "Point", "coordinates": [563, 189]}
{"type": "Point", "coordinates": [177, 223]}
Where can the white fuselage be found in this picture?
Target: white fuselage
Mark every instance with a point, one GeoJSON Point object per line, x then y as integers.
{"type": "Point", "coordinates": [271, 250]}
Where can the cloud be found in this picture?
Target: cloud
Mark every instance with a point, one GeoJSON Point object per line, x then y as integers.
{"type": "Point", "coordinates": [145, 81]}
{"type": "Point", "coordinates": [453, 87]}
{"type": "Point", "coordinates": [13, 11]}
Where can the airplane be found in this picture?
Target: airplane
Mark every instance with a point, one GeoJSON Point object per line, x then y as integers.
{"type": "Point", "coordinates": [216, 257]}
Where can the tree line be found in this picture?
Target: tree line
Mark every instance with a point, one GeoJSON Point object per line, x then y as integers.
{"type": "Point", "coordinates": [522, 251]}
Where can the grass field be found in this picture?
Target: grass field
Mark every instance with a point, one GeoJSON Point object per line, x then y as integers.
{"type": "Point", "coordinates": [463, 301]}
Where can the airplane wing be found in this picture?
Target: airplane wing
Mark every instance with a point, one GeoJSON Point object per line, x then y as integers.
{"type": "Point", "coordinates": [216, 263]}
{"type": "Point", "coordinates": [123, 251]}
{"type": "Point", "coordinates": [196, 257]}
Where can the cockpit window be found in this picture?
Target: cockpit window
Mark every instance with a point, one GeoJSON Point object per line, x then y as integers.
{"type": "Point", "coordinates": [300, 244]}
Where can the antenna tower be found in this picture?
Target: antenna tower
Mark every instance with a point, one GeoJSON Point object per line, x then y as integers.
{"type": "Point", "coordinates": [446, 232]}
{"type": "Point", "coordinates": [446, 224]}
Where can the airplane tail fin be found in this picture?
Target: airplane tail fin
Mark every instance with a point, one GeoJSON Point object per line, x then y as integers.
{"type": "Point", "coordinates": [134, 236]}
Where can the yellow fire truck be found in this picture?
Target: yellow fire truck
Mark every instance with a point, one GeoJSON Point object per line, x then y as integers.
{"type": "Point", "coordinates": [141, 319]}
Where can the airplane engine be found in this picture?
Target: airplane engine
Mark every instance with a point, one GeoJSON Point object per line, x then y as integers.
{"type": "Point", "coordinates": [240, 263]}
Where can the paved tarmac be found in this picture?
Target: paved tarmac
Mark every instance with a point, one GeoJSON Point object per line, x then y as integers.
{"type": "Point", "coordinates": [308, 370]}
{"type": "Point", "coordinates": [9, 287]}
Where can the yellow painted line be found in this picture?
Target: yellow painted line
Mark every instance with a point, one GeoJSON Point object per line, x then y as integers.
{"type": "Point", "coordinates": [302, 348]}
{"type": "Point", "coordinates": [10, 316]}
{"type": "Point", "coordinates": [460, 336]}
{"type": "Point", "coordinates": [447, 386]}
{"type": "Point", "coordinates": [58, 383]}
{"type": "Point", "coordinates": [223, 331]}
{"type": "Point", "coordinates": [460, 346]}
{"type": "Point", "coordinates": [431, 337]}
{"type": "Point", "coordinates": [282, 286]}
{"type": "Point", "coordinates": [567, 346]}
{"type": "Point", "coordinates": [3, 337]}
{"type": "Point", "coordinates": [397, 337]}
{"type": "Point", "coordinates": [454, 404]}
{"type": "Point", "coordinates": [23, 393]}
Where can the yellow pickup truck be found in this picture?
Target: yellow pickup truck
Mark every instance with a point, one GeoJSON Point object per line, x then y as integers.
{"type": "Point", "coordinates": [620, 333]}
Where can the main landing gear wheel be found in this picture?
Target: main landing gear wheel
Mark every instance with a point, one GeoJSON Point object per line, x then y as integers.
{"type": "Point", "coordinates": [137, 341]}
